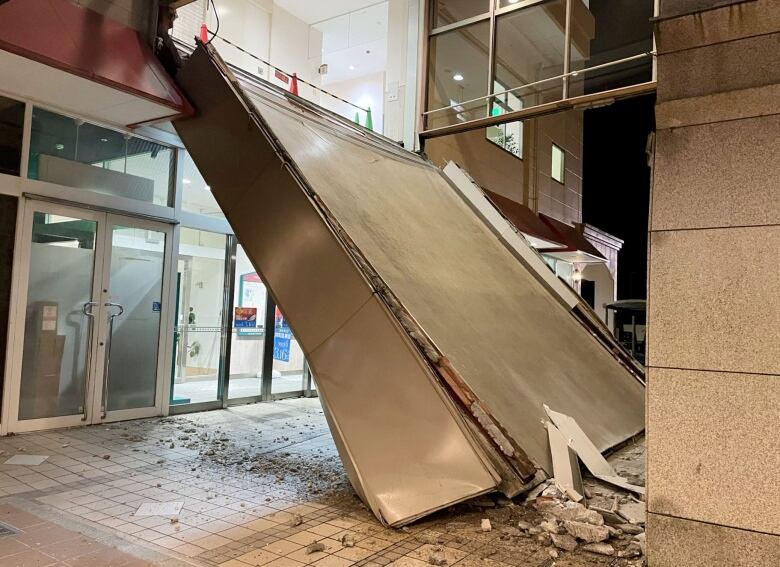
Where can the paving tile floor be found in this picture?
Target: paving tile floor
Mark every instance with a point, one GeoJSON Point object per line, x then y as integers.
{"type": "Point", "coordinates": [255, 486]}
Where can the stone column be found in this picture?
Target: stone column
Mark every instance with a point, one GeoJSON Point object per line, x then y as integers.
{"type": "Point", "coordinates": [713, 419]}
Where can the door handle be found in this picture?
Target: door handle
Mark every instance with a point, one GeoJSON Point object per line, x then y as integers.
{"type": "Point", "coordinates": [86, 309]}
{"type": "Point", "coordinates": [107, 363]}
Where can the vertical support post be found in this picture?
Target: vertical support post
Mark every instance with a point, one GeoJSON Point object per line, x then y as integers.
{"type": "Point", "coordinates": [268, 348]}
{"type": "Point", "coordinates": [226, 332]}
{"type": "Point", "coordinates": [567, 51]}
{"type": "Point", "coordinates": [491, 56]}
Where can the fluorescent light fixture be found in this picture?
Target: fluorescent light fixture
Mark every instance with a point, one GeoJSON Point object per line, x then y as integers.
{"type": "Point", "coordinates": [186, 181]}
{"type": "Point", "coordinates": [60, 146]}
{"type": "Point", "coordinates": [104, 140]}
{"type": "Point", "coordinates": [457, 77]}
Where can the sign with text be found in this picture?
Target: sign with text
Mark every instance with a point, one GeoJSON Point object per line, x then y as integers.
{"type": "Point", "coordinates": [245, 317]}
{"type": "Point", "coordinates": [282, 336]}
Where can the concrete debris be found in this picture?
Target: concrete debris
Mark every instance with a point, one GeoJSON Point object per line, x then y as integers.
{"type": "Point", "coordinates": [564, 542]}
{"type": "Point", "coordinates": [552, 553]}
{"type": "Point", "coordinates": [632, 550]}
{"type": "Point", "coordinates": [573, 511]}
{"type": "Point", "coordinates": [315, 547]}
{"type": "Point", "coordinates": [641, 540]}
{"type": "Point", "coordinates": [296, 520]}
{"type": "Point", "coordinates": [633, 512]}
{"type": "Point", "coordinates": [609, 516]}
{"type": "Point", "coordinates": [630, 529]}
{"type": "Point", "coordinates": [599, 548]}
{"type": "Point", "coordinates": [523, 525]}
{"type": "Point", "coordinates": [437, 557]}
{"type": "Point", "coordinates": [348, 540]}
{"type": "Point", "coordinates": [485, 525]}
{"type": "Point", "coordinates": [551, 527]}
{"type": "Point", "coordinates": [587, 532]}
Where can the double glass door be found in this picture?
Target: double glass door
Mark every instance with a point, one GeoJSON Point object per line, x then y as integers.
{"type": "Point", "coordinates": [89, 320]}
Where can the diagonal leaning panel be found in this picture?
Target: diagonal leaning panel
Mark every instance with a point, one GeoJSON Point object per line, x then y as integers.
{"type": "Point", "coordinates": [403, 443]}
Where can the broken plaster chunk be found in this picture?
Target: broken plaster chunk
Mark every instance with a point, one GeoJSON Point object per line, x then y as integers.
{"type": "Point", "coordinates": [437, 557]}
{"type": "Point", "coordinates": [314, 547]}
{"type": "Point", "coordinates": [630, 529]}
{"type": "Point", "coordinates": [348, 540]}
{"type": "Point", "coordinates": [564, 542]}
{"type": "Point", "coordinates": [485, 525]}
{"type": "Point", "coordinates": [586, 532]}
{"type": "Point", "coordinates": [296, 520]}
{"type": "Point", "coordinates": [550, 526]}
{"type": "Point", "coordinates": [599, 548]}
{"type": "Point", "coordinates": [632, 550]}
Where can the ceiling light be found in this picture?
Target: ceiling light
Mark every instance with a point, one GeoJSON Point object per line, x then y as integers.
{"type": "Point", "coordinates": [207, 187]}
{"type": "Point", "coordinates": [60, 146]}
{"type": "Point", "coordinates": [351, 67]}
{"type": "Point", "coordinates": [186, 181]}
{"type": "Point", "coordinates": [104, 140]}
{"type": "Point", "coordinates": [514, 1]}
{"type": "Point", "coordinates": [457, 77]}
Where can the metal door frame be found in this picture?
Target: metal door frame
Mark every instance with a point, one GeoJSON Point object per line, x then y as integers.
{"type": "Point", "coordinates": [95, 351]}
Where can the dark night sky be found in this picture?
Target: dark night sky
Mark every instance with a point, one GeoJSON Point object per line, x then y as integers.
{"type": "Point", "coordinates": [616, 183]}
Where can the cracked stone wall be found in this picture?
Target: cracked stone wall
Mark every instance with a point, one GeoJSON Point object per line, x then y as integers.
{"type": "Point", "coordinates": [713, 309]}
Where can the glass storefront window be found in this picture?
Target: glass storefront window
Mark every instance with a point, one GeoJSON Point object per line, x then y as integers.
{"type": "Point", "coordinates": [605, 32]}
{"type": "Point", "coordinates": [196, 194]}
{"type": "Point", "coordinates": [510, 135]}
{"type": "Point", "coordinates": [457, 73]}
{"type": "Point", "coordinates": [447, 12]}
{"type": "Point", "coordinates": [198, 339]}
{"type": "Point", "coordinates": [11, 128]}
{"type": "Point", "coordinates": [72, 152]}
{"type": "Point", "coordinates": [530, 47]}
{"type": "Point", "coordinates": [288, 368]}
{"type": "Point", "coordinates": [248, 336]}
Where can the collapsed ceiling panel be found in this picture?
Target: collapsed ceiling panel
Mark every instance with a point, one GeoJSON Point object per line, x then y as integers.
{"type": "Point", "coordinates": [433, 347]}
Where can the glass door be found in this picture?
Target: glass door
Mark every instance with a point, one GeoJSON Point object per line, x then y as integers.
{"type": "Point", "coordinates": [57, 318]}
{"type": "Point", "coordinates": [133, 282]}
{"type": "Point", "coordinates": [93, 306]}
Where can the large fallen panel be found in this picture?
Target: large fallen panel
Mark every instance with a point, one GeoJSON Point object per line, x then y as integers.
{"type": "Point", "coordinates": [408, 306]}
{"type": "Point", "coordinates": [402, 441]}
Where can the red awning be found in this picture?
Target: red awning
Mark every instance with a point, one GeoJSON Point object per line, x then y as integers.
{"type": "Point", "coordinates": [82, 42]}
{"type": "Point", "coordinates": [525, 220]}
{"type": "Point", "coordinates": [576, 243]}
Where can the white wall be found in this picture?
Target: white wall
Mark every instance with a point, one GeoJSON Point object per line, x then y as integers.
{"type": "Point", "coordinates": [364, 91]}
{"type": "Point", "coordinates": [291, 43]}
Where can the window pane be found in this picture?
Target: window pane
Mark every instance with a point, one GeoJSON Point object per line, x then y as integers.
{"type": "Point", "coordinates": [196, 194]}
{"type": "Point", "coordinates": [287, 375]}
{"type": "Point", "coordinates": [604, 33]}
{"type": "Point", "coordinates": [458, 72]}
{"type": "Point", "coordinates": [508, 136]}
{"type": "Point", "coordinates": [69, 151]}
{"type": "Point", "coordinates": [529, 50]}
{"type": "Point", "coordinates": [198, 336]}
{"type": "Point", "coordinates": [248, 339]}
{"type": "Point", "coordinates": [11, 127]}
{"type": "Point", "coordinates": [558, 163]}
{"type": "Point", "coordinates": [451, 11]}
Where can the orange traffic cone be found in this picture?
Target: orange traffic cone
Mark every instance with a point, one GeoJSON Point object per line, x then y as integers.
{"type": "Point", "coordinates": [204, 33]}
{"type": "Point", "coordinates": [294, 84]}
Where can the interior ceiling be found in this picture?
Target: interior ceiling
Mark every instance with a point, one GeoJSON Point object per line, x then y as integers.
{"type": "Point", "coordinates": [319, 11]}
{"type": "Point", "coordinates": [355, 44]}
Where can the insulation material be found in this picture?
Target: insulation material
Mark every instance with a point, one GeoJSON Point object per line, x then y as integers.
{"type": "Point", "coordinates": [433, 347]}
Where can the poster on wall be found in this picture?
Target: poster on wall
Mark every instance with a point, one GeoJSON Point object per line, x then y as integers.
{"type": "Point", "coordinates": [244, 317]}
{"type": "Point", "coordinates": [282, 336]}
{"type": "Point", "coordinates": [251, 293]}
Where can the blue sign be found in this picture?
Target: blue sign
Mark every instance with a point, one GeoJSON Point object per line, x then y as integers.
{"type": "Point", "coordinates": [282, 336]}
{"type": "Point", "coordinates": [156, 306]}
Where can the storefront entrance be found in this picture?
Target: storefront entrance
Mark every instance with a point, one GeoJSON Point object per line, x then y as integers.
{"type": "Point", "coordinates": [91, 302]}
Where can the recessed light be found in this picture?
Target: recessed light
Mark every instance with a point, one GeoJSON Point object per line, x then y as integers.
{"type": "Point", "coordinates": [104, 140]}
{"type": "Point", "coordinates": [457, 77]}
{"type": "Point", "coordinates": [60, 146]}
{"type": "Point", "coordinates": [186, 181]}
{"type": "Point", "coordinates": [351, 67]}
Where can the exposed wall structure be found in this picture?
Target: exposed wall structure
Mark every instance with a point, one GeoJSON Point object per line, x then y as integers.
{"type": "Point", "coordinates": [528, 180]}
{"type": "Point", "coordinates": [713, 309]}
{"type": "Point", "coordinates": [140, 15]}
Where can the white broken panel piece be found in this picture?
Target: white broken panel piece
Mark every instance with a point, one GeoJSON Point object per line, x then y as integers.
{"type": "Point", "coordinates": [566, 465]}
{"type": "Point", "coordinates": [159, 509]}
{"type": "Point", "coordinates": [588, 452]}
{"type": "Point", "coordinates": [26, 460]}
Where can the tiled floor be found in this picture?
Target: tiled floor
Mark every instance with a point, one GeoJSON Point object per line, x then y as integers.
{"type": "Point", "coordinates": [256, 486]}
